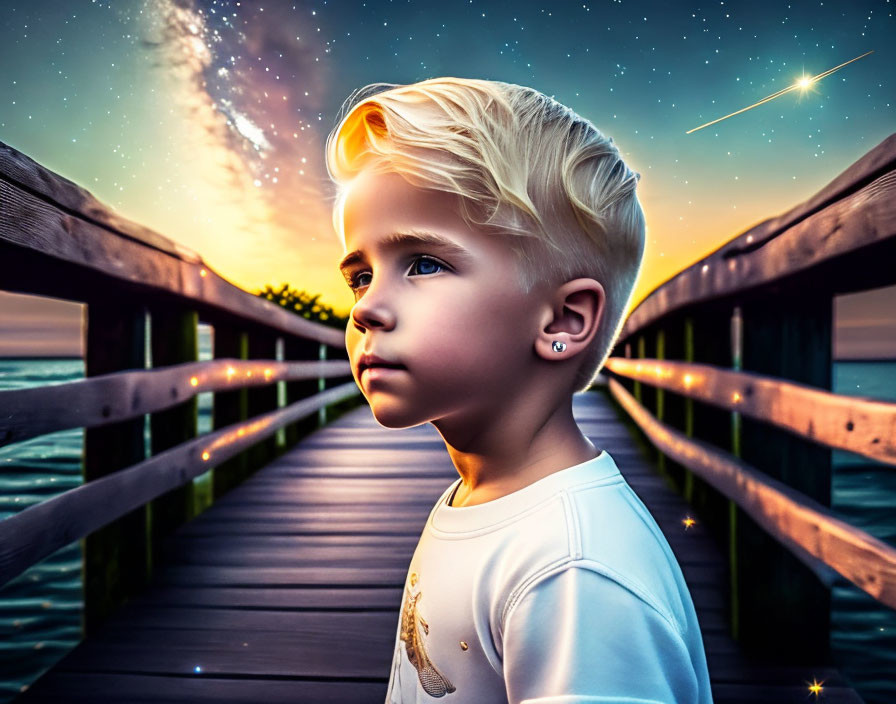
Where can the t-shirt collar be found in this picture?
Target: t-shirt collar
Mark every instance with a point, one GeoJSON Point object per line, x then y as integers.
{"type": "Point", "coordinates": [455, 519]}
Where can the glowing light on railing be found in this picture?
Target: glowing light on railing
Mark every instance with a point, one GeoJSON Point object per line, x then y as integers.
{"type": "Point", "coordinates": [249, 373]}
{"type": "Point", "coordinates": [203, 273]}
{"type": "Point", "coordinates": [732, 264]}
{"type": "Point", "coordinates": [230, 372]}
{"type": "Point", "coordinates": [194, 381]}
{"type": "Point", "coordinates": [704, 269]}
{"type": "Point", "coordinates": [688, 380]}
{"type": "Point", "coordinates": [735, 397]}
{"type": "Point", "coordinates": [638, 367]}
{"type": "Point", "coordinates": [658, 370]}
{"type": "Point", "coordinates": [205, 455]}
{"type": "Point", "coordinates": [688, 522]}
{"type": "Point", "coordinates": [267, 373]}
{"type": "Point", "coordinates": [241, 432]}
{"type": "Point", "coordinates": [749, 239]}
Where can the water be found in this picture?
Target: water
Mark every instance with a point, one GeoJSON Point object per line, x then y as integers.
{"type": "Point", "coordinates": [863, 492]}
{"type": "Point", "coordinates": [40, 611]}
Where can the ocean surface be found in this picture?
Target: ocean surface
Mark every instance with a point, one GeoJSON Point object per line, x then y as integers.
{"type": "Point", "coordinates": [40, 611]}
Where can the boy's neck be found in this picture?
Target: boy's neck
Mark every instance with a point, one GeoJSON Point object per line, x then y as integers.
{"type": "Point", "coordinates": [505, 457]}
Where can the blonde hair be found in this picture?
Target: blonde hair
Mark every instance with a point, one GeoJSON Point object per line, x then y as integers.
{"type": "Point", "coordinates": [526, 168]}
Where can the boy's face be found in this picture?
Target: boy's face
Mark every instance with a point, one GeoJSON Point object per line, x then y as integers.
{"type": "Point", "coordinates": [455, 318]}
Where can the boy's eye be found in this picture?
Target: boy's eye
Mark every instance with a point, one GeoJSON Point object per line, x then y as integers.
{"type": "Point", "coordinates": [430, 266]}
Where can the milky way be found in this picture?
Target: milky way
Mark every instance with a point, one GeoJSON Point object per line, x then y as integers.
{"type": "Point", "coordinates": [206, 119]}
{"type": "Point", "coordinates": [263, 78]}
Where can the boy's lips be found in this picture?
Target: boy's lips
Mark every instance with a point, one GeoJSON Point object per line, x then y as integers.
{"type": "Point", "coordinates": [371, 361]}
{"type": "Point", "coordinates": [375, 373]}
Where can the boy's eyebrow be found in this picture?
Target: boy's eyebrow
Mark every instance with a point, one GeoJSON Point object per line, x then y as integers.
{"type": "Point", "coordinates": [418, 238]}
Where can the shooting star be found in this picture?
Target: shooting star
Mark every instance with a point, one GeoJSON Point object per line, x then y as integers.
{"type": "Point", "coordinates": [804, 83]}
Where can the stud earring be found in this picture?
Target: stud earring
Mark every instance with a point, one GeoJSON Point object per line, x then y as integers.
{"type": "Point", "coordinates": [558, 346]}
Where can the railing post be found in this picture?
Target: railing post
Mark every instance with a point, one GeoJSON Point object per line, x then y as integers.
{"type": "Point", "coordinates": [334, 410]}
{"type": "Point", "coordinates": [689, 405]}
{"type": "Point", "coordinates": [230, 407]}
{"type": "Point", "coordinates": [629, 384]}
{"type": "Point", "coordinates": [735, 565]}
{"type": "Point", "coordinates": [784, 609]}
{"type": "Point", "coordinates": [640, 354]}
{"type": "Point", "coordinates": [673, 406]}
{"type": "Point", "coordinates": [115, 556]}
{"type": "Point", "coordinates": [175, 339]}
{"type": "Point", "coordinates": [262, 399]}
{"type": "Point", "coordinates": [709, 344]}
{"type": "Point", "coordinates": [299, 349]}
{"type": "Point", "coordinates": [659, 400]}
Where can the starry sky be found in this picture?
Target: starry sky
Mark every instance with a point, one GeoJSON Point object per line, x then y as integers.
{"type": "Point", "coordinates": [206, 119]}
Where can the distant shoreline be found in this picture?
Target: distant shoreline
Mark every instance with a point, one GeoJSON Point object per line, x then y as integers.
{"type": "Point", "coordinates": [35, 359]}
{"type": "Point", "coordinates": [866, 359]}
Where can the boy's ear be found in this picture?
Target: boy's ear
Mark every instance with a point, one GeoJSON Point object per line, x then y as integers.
{"type": "Point", "coordinates": [572, 316]}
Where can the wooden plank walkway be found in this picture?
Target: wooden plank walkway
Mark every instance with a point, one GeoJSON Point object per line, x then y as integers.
{"type": "Point", "coordinates": [288, 589]}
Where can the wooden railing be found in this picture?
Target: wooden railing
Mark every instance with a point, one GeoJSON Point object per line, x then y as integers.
{"type": "Point", "coordinates": [145, 296]}
{"type": "Point", "coordinates": [727, 370]}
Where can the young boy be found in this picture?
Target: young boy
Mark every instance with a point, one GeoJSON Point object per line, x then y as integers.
{"type": "Point", "coordinates": [494, 238]}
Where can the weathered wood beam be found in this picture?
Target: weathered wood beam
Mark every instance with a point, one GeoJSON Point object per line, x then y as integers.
{"type": "Point", "coordinates": [854, 215]}
{"type": "Point", "coordinates": [111, 398]}
{"type": "Point", "coordinates": [115, 558]}
{"type": "Point", "coordinates": [174, 335]}
{"type": "Point", "coordinates": [39, 530]}
{"type": "Point", "coordinates": [85, 249]}
{"type": "Point", "coordinates": [785, 610]}
{"type": "Point", "coordinates": [296, 389]}
{"type": "Point", "coordinates": [230, 407]}
{"type": "Point", "coordinates": [262, 399]}
{"type": "Point", "coordinates": [823, 542]}
{"type": "Point", "coordinates": [856, 424]}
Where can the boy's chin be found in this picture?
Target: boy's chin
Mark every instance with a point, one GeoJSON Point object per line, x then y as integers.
{"type": "Point", "coordinates": [394, 418]}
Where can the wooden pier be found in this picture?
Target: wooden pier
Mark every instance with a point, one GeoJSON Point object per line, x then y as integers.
{"type": "Point", "coordinates": [286, 584]}
{"type": "Point", "coordinates": [288, 589]}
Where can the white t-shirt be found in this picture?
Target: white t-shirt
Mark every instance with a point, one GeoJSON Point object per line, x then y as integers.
{"type": "Point", "coordinates": [562, 592]}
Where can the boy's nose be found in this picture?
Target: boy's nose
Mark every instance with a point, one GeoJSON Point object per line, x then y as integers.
{"type": "Point", "coordinates": [368, 313]}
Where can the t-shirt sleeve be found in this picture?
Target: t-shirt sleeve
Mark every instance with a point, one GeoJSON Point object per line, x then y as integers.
{"type": "Point", "coordinates": [579, 636]}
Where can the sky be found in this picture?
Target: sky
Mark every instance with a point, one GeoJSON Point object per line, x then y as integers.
{"type": "Point", "coordinates": [206, 120]}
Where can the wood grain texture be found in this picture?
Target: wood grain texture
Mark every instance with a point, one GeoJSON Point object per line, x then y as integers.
{"type": "Point", "coordinates": [816, 536]}
{"type": "Point", "coordinates": [89, 251]}
{"type": "Point", "coordinates": [306, 607]}
{"type": "Point", "coordinates": [23, 171]}
{"type": "Point", "coordinates": [38, 531]}
{"type": "Point", "coordinates": [127, 688]}
{"type": "Point", "coordinates": [111, 398]}
{"type": "Point", "coordinates": [855, 211]}
{"type": "Point", "coordinates": [115, 339]}
{"type": "Point", "coordinates": [864, 426]}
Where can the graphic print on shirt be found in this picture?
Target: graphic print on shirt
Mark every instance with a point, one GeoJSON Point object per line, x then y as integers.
{"type": "Point", "coordinates": [435, 684]}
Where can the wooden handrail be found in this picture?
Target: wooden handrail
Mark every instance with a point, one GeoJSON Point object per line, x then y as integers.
{"type": "Point", "coordinates": [23, 171]}
{"type": "Point", "coordinates": [818, 231]}
{"type": "Point", "coordinates": [111, 398]}
{"type": "Point", "coordinates": [861, 425]}
{"type": "Point", "coordinates": [758, 314]}
{"type": "Point", "coordinates": [811, 531]}
{"type": "Point", "coordinates": [38, 531]}
{"type": "Point", "coordinates": [145, 296]}
{"type": "Point", "coordinates": [45, 214]}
